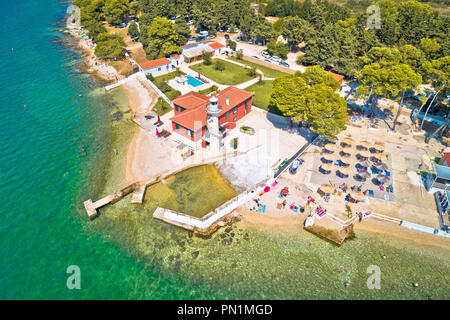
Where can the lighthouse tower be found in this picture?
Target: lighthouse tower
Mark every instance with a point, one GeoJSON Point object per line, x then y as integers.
{"type": "Point", "coordinates": [212, 124]}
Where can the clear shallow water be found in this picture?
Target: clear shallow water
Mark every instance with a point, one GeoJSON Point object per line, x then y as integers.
{"type": "Point", "coordinates": [52, 157]}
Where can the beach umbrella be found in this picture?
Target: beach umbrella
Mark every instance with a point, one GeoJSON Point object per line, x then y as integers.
{"type": "Point", "coordinates": [379, 156]}
{"type": "Point", "coordinates": [349, 141]}
{"type": "Point", "coordinates": [157, 132]}
{"type": "Point", "coordinates": [329, 157]}
{"type": "Point", "coordinates": [364, 153]}
{"type": "Point", "coordinates": [382, 178]}
{"type": "Point", "coordinates": [347, 149]}
{"type": "Point", "coordinates": [330, 147]}
{"type": "Point", "coordinates": [327, 188]}
{"type": "Point", "coordinates": [159, 118]}
{"type": "Point", "coordinates": [365, 144]}
{"type": "Point", "coordinates": [285, 191]}
{"type": "Point", "coordinates": [347, 160]}
{"type": "Point", "coordinates": [266, 189]}
{"type": "Point", "coordinates": [364, 174]}
{"type": "Point", "coordinates": [379, 146]}
{"type": "Point", "coordinates": [381, 166]}
{"type": "Point", "coordinates": [346, 171]}
{"type": "Point", "coordinates": [357, 195]}
{"type": "Point", "coordinates": [327, 166]}
{"type": "Point", "coordinates": [365, 164]}
{"type": "Point", "coordinates": [333, 140]}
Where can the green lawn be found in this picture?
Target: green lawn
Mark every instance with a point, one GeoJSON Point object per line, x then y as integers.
{"type": "Point", "coordinates": [162, 107]}
{"type": "Point", "coordinates": [262, 96]}
{"type": "Point", "coordinates": [268, 72]}
{"type": "Point", "coordinates": [231, 75]}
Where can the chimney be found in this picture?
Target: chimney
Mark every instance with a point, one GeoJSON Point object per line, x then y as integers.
{"type": "Point", "coordinates": [228, 100]}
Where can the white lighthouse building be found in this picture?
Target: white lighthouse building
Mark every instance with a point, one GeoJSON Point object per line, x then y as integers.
{"type": "Point", "coordinates": [214, 135]}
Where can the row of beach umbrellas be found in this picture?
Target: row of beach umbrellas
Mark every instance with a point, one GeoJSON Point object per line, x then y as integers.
{"type": "Point", "coordinates": [329, 189]}
{"type": "Point", "coordinates": [348, 142]}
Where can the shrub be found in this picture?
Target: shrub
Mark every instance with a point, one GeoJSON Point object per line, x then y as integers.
{"type": "Point", "coordinates": [219, 65]}
{"type": "Point", "coordinates": [150, 77]}
{"type": "Point", "coordinates": [207, 58]}
{"type": "Point", "coordinates": [164, 87]}
{"type": "Point", "coordinates": [239, 54]}
{"type": "Point", "coordinates": [234, 143]}
{"type": "Point", "coordinates": [252, 72]}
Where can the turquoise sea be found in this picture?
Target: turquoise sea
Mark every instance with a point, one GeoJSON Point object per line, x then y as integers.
{"type": "Point", "coordinates": [56, 134]}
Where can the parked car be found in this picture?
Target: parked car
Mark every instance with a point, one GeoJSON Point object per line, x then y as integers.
{"type": "Point", "coordinates": [284, 64]}
{"type": "Point", "coordinates": [251, 41]}
{"type": "Point", "coordinates": [220, 29]}
{"type": "Point", "coordinates": [238, 39]}
{"type": "Point", "coordinates": [228, 30]}
{"type": "Point", "coordinates": [276, 59]}
{"type": "Point", "coordinates": [236, 30]}
{"type": "Point", "coordinates": [191, 38]}
{"type": "Point", "coordinates": [259, 43]}
{"type": "Point", "coordinates": [268, 60]}
{"type": "Point", "coordinates": [247, 130]}
{"type": "Point", "coordinates": [266, 55]}
{"type": "Point", "coordinates": [211, 36]}
{"type": "Point", "coordinates": [227, 36]}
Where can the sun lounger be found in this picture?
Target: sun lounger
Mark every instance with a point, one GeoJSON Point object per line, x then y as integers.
{"type": "Point", "coordinates": [386, 197]}
{"type": "Point", "coordinates": [339, 193]}
{"type": "Point", "coordinates": [371, 193]}
{"type": "Point", "coordinates": [388, 173]}
{"type": "Point", "coordinates": [279, 206]}
{"type": "Point", "coordinates": [263, 208]}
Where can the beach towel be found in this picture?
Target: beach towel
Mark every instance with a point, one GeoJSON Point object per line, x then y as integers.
{"type": "Point", "coordinates": [263, 208]}
{"type": "Point", "coordinates": [339, 193]}
{"type": "Point", "coordinates": [295, 209]}
{"type": "Point", "coordinates": [279, 206]}
{"type": "Point", "coordinates": [274, 184]}
{"type": "Point", "coordinates": [388, 173]}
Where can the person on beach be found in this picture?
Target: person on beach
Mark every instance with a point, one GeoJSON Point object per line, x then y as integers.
{"type": "Point", "coordinates": [284, 203]}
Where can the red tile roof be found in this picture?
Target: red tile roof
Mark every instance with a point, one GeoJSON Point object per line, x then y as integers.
{"type": "Point", "coordinates": [196, 103]}
{"type": "Point", "coordinates": [338, 77]}
{"type": "Point", "coordinates": [191, 100]}
{"type": "Point", "coordinates": [154, 63]}
{"type": "Point", "coordinates": [175, 56]}
{"type": "Point", "coordinates": [216, 45]}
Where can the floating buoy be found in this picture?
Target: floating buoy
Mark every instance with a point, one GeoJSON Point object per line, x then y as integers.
{"type": "Point", "coordinates": [24, 105]}
{"type": "Point", "coordinates": [347, 285]}
{"type": "Point", "coordinates": [415, 285]}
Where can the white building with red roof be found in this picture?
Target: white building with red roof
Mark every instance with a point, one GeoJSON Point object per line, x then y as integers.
{"type": "Point", "coordinates": [156, 67]}
{"type": "Point", "coordinates": [201, 121]}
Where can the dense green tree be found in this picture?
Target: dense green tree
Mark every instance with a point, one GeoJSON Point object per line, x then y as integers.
{"type": "Point", "coordinates": [318, 104]}
{"type": "Point", "coordinates": [262, 30]}
{"type": "Point", "coordinates": [95, 28]}
{"type": "Point", "coordinates": [316, 75]}
{"type": "Point", "coordinates": [110, 46]}
{"type": "Point", "coordinates": [133, 31]}
{"type": "Point", "coordinates": [296, 30]}
{"type": "Point", "coordinates": [207, 58]}
{"type": "Point", "coordinates": [183, 31]}
{"type": "Point", "coordinates": [277, 49]}
{"type": "Point", "coordinates": [204, 16]}
{"type": "Point", "coordinates": [115, 11]}
{"type": "Point", "coordinates": [159, 39]}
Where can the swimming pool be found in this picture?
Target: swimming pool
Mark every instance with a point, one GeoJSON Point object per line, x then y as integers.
{"type": "Point", "coordinates": [194, 82]}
